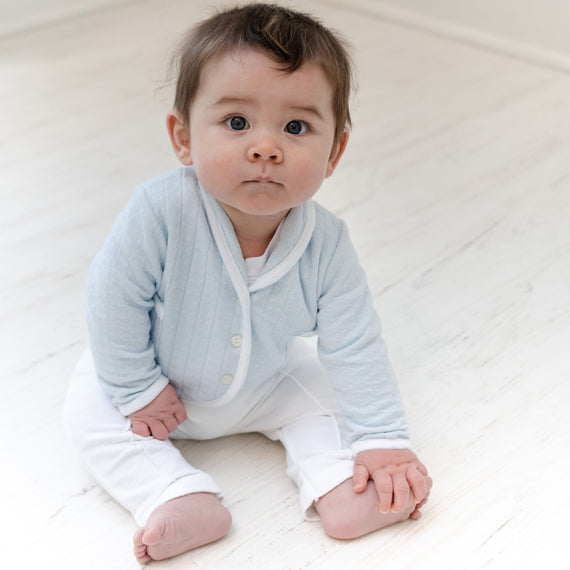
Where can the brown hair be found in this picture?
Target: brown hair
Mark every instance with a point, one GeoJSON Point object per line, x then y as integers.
{"type": "Point", "coordinates": [289, 38]}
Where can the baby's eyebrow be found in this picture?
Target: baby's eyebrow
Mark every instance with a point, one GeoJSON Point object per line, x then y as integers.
{"type": "Point", "coordinates": [228, 100]}
{"type": "Point", "coordinates": [231, 101]}
{"type": "Point", "coordinates": [308, 109]}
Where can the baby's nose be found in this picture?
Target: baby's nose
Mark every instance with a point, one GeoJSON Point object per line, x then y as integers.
{"type": "Point", "coordinates": [265, 148]}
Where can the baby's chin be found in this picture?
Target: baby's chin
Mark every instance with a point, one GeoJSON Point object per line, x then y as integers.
{"type": "Point", "coordinates": [257, 207]}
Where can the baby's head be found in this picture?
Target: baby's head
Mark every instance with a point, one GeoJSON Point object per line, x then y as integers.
{"type": "Point", "coordinates": [289, 38]}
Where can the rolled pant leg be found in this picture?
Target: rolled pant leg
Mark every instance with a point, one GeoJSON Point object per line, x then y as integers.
{"type": "Point", "coordinates": [140, 473]}
{"type": "Point", "coordinates": [316, 460]}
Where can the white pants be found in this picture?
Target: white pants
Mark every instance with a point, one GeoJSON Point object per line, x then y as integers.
{"type": "Point", "coordinates": [142, 473]}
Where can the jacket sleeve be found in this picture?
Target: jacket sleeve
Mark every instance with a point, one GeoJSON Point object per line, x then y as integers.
{"type": "Point", "coordinates": [352, 350]}
{"type": "Point", "coordinates": [122, 282]}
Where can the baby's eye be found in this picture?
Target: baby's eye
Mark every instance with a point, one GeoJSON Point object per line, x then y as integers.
{"type": "Point", "coordinates": [237, 123]}
{"type": "Point", "coordinates": [296, 127]}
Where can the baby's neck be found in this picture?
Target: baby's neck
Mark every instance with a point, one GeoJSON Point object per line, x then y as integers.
{"type": "Point", "coordinates": [254, 233]}
{"type": "Point", "coordinates": [253, 249]}
{"type": "Point", "coordinates": [254, 240]}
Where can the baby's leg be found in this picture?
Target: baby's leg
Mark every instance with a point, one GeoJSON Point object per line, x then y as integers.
{"type": "Point", "coordinates": [150, 478]}
{"type": "Point", "coordinates": [323, 470]}
{"type": "Point", "coordinates": [346, 514]}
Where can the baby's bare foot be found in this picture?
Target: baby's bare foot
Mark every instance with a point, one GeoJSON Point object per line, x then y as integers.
{"type": "Point", "coordinates": [180, 525]}
{"type": "Point", "coordinates": [346, 514]}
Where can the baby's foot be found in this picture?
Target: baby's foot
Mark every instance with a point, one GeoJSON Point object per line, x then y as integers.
{"type": "Point", "coordinates": [346, 514]}
{"type": "Point", "coordinates": [180, 525]}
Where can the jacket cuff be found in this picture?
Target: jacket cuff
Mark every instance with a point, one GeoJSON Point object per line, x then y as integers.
{"type": "Point", "coordinates": [144, 398]}
{"type": "Point", "coordinates": [365, 445]}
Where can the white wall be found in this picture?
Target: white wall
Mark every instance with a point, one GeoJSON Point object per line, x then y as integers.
{"type": "Point", "coordinates": [18, 15]}
{"type": "Point", "coordinates": [536, 30]}
{"type": "Point", "coordinates": [544, 23]}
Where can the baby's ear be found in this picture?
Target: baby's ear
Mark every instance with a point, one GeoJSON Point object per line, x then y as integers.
{"type": "Point", "coordinates": [337, 151]}
{"type": "Point", "coordinates": [179, 132]}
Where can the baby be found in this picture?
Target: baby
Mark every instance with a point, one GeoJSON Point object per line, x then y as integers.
{"type": "Point", "coordinates": [226, 301]}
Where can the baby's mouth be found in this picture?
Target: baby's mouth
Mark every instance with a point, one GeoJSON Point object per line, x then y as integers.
{"type": "Point", "coordinates": [262, 180]}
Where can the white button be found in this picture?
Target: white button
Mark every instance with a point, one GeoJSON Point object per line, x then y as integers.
{"type": "Point", "coordinates": [236, 340]}
{"type": "Point", "coordinates": [227, 378]}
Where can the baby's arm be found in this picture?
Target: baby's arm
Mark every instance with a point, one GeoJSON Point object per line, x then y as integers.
{"type": "Point", "coordinates": [161, 417]}
{"type": "Point", "coordinates": [395, 473]}
{"type": "Point", "coordinates": [122, 288]}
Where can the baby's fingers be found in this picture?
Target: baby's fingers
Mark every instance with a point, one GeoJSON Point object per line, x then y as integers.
{"type": "Point", "coordinates": [401, 492]}
{"type": "Point", "coordinates": [180, 414]}
{"type": "Point", "coordinates": [140, 428]}
{"type": "Point", "coordinates": [171, 423]}
{"type": "Point", "coordinates": [360, 478]}
{"type": "Point", "coordinates": [384, 489]}
{"type": "Point", "coordinates": [158, 430]}
{"type": "Point", "coordinates": [417, 482]}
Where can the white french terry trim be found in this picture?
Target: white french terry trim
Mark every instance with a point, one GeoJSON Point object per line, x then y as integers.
{"type": "Point", "coordinates": [243, 291]}
{"type": "Point", "coordinates": [293, 256]}
{"type": "Point", "coordinates": [145, 398]}
{"type": "Point", "coordinates": [198, 482]}
{"type": "Point", "coordinates": [243, 295]}
{"type": "Point", "coordinates": [367, 444]}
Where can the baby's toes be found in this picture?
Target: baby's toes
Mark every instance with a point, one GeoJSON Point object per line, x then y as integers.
{"type": "Point", "coordinates": [139, 548]}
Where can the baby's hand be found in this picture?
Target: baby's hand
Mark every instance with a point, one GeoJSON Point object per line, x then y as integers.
{"type": "Point", "coordinates": [395, 473]}
{"type": "Point", "coordinates": [161, 417]}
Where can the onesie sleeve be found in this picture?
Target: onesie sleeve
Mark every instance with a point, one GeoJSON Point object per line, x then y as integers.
{"type": "Point", "coordinates": [355, 356]}
{"type": "Point", "coordinates": [122, 282]}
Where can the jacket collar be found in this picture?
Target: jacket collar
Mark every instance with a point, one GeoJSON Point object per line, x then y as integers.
{"type": "Point", "coordinates": [294, 236]}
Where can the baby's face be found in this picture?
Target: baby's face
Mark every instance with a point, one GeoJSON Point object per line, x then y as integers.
{"type": "Point", "coordinates": [262, 140]}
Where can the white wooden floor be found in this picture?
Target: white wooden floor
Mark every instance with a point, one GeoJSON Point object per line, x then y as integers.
{"type": "Point", "coordinates": [456, 188]}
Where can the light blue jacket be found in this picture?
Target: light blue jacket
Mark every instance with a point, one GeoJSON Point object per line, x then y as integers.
{"type": "Point", "coordinates": [168, 300]}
